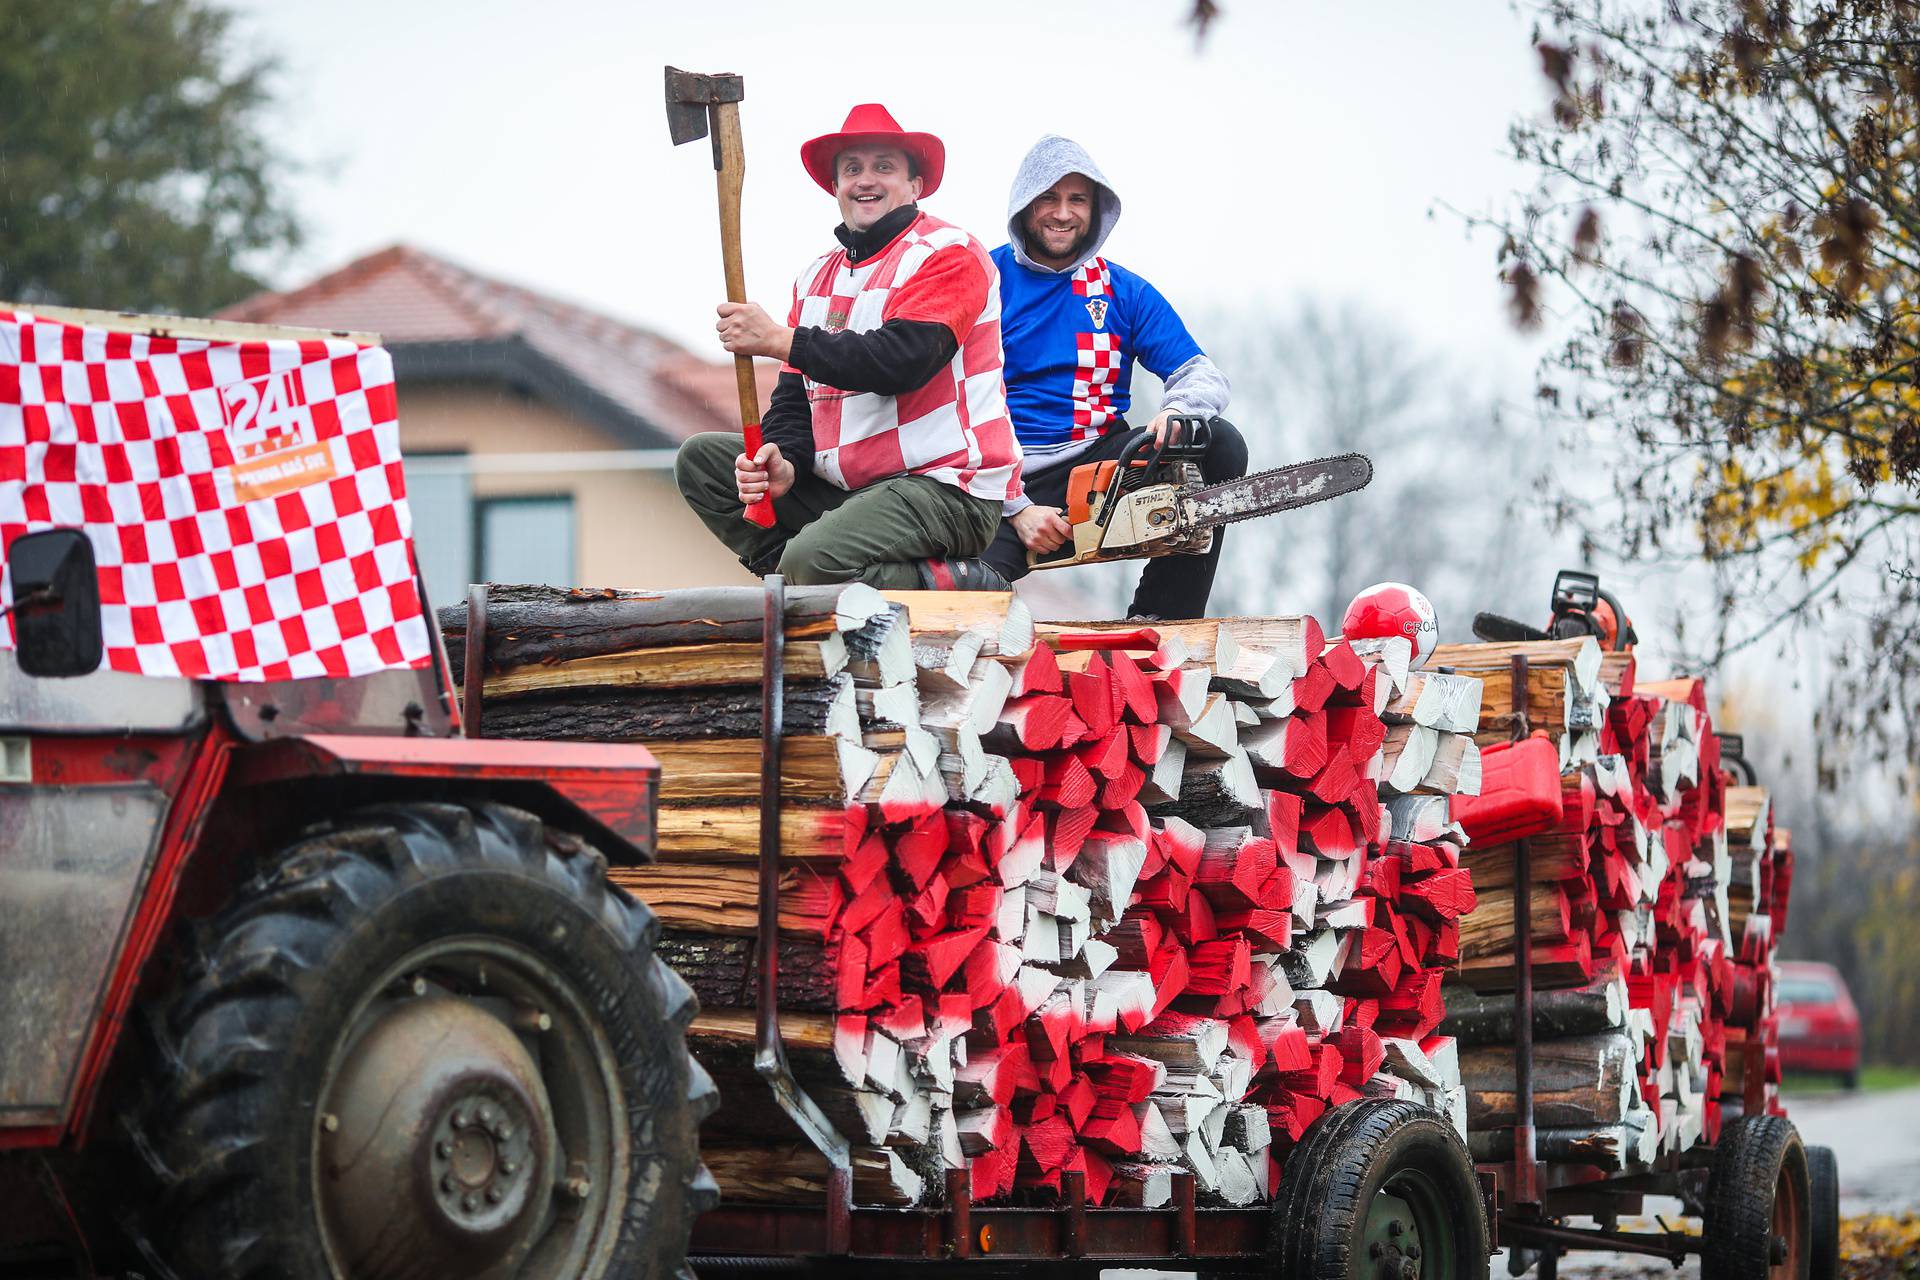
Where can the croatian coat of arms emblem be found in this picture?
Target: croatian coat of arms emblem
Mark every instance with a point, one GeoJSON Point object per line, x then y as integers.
{"type": "Point", "coordinates": [1097, 308]}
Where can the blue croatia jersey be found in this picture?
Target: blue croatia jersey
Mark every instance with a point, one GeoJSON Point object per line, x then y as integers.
{"type": "Point", "coordinates": [1071, 340]}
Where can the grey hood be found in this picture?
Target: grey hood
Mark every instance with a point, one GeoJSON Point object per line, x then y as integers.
{"type": "Point", "coordinates": [1053, 158]}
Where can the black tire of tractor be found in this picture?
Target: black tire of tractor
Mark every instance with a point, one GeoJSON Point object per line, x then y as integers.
{"type": "Point", "coordinates": [1748, 1162]}
{"type": "Point", "coordinates": [247, 1034]}
{"type": "Point", "coordinates": [1331, 1178]}
{"type": "Point", "coordinates": [1823, 1214]}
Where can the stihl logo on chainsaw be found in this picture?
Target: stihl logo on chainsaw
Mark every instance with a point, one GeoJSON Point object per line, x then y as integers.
{"type": "Point", "coordinates": [271, 434]}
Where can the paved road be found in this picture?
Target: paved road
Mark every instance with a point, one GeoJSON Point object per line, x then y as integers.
{"type": "Point", "coordinates": [1875, 1136]}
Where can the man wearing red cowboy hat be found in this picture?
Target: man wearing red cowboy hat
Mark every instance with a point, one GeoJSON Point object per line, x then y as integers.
{"type": "Point", "coordinates": [889, 452]}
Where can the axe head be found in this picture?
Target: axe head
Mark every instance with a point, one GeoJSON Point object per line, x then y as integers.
{"type": "Point", "coordinates": [689, 94]}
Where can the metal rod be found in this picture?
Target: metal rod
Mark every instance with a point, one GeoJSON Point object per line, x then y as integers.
{"type": "Point", "coordinates": [1526, 1168]}
{"type": "Point", "coordinates": [473, 663]}
{"type": "Point", "coordinates": [1073, 1189]}
{"type": "Point", "coordinates": [770, 1053]}
{"type": "Point", "coordinates": [959, 1213]}
{"type": "Point", "coordinates": [1673, 1246]}
{"type": "Point", "coordinates": [1184, 1231]}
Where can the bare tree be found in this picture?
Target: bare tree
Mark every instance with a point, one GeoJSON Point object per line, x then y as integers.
{"type": "Point", "coordinates": [1723, 215]}
{"type": "Point", "coordinates": [1445, 510]}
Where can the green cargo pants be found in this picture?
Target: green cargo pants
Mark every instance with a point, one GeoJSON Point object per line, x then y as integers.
{"type": "Point", "coordinates": [824, 534]}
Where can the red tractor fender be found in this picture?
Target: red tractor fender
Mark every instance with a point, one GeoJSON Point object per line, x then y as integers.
{"type": "Point", "coordinates": [610, 791]}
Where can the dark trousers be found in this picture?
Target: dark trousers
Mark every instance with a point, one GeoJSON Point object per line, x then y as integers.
{"type": "Point", "coordinates": [1173, 586]}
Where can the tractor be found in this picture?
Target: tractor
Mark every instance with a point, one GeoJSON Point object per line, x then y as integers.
{"type": "Point", "coordinates": [297, 981]}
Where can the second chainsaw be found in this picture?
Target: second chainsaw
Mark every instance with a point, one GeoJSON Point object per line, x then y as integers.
{"type": "Point", "coordinates": [1152, 500]}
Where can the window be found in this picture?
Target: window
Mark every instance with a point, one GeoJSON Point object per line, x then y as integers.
{"type": "Point", "coordinates": [1806, 991]}
{"type": "Point", "coordinates": [525, 539]}
{"type": "Point", "coordinates": [440, 495]}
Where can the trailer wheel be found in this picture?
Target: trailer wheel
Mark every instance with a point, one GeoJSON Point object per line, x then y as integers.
{"type": "Point", "coordinates": [429, 1040]}
{"type": "Point", "coordinates": [1758, 1203]}
{"type": "Point", "coordinates": [1823, 1214]}
{"type": "Point", "coordinates": [1381, 1190]}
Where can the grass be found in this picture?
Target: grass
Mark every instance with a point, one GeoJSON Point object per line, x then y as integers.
{"type": "Point", "coordinates": [1873, 1079]}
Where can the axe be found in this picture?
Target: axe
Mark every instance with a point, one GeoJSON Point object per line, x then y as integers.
{"type": "Point", "coordinates": [696, 105]}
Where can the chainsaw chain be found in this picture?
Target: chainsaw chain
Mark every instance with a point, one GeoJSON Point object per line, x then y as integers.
{"type": "Point", "coordinates": [1198, 496]}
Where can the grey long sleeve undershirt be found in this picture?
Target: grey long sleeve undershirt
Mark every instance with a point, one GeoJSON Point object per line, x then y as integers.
{"type": "Point", "coordinates": [1196, 387]}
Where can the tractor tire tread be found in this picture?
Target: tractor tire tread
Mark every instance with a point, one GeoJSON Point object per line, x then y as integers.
{"type": "Point", "coordinates": [219, 1048]}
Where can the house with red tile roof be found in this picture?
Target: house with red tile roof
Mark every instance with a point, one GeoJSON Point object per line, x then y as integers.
{"type": "Point", "coordinates": [539, 434]}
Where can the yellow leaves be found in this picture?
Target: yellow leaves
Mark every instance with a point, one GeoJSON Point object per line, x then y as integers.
{"type": "Point", "coordinates": [1799, 499]}
{"type": "Point", "coordinates": [1880, 1245]}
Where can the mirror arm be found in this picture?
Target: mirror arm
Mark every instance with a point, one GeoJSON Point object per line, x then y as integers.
{"type": "Point", "coordinates": [39, 595]}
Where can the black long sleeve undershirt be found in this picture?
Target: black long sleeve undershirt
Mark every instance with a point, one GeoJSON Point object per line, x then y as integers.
{"type": "Point", "coordinates": [899, 356]}
{"type": "Point", "coordinates": [788, 422]}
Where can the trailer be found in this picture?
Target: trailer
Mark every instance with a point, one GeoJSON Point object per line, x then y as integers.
{"type": "Point", "coordinates": [1376, 1188]}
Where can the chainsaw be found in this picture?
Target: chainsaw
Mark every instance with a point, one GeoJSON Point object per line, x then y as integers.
{"type": "Point", "coordinates": [1152, 499]}
{"type": "Point", "coordinates": [1580, 606]}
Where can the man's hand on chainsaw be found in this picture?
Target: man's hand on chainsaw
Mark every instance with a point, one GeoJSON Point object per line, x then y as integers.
{"type": "Point", "coordinates": [765, 475]}
{"type": "Point", "coordinates": [1161, 424]}
{"type": "Point", "coordinates": [747, 330]}
{"type": "Point", "coordinates": [1042, 529]}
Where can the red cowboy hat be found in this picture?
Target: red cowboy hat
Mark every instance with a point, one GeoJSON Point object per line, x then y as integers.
{"type": "Point", "coordinates": [871, 122]}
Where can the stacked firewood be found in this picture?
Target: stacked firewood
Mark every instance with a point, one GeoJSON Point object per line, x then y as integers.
{"type": "Point", "coordinates": [1651, 943]}
{"type": "Point", "coordinates": [1124, 901]}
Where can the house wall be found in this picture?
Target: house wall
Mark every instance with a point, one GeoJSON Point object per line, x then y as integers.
{"type": "Point", "coordinates": [631, 527]}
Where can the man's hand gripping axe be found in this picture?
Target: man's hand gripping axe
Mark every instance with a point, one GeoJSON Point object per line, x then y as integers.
{"type": "Point", "coordinates": [697, 104]}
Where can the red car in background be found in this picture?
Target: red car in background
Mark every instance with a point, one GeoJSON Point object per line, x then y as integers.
{"type": "Point", "coordinates": [1819, 1027]}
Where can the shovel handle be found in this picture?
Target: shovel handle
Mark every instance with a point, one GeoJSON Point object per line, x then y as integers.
{"type": "Point", "coordinates": [730, 162]}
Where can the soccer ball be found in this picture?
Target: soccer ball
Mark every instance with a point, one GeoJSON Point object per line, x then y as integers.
{"type": "Point", "coordinates": [1393, 609]}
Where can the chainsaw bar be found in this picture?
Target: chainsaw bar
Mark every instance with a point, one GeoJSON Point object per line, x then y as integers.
{"type": "Point", "coordinates": [1280, 489]}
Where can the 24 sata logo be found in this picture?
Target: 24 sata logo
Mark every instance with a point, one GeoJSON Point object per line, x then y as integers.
{"type": "Point", "coordinates": [270, 429]}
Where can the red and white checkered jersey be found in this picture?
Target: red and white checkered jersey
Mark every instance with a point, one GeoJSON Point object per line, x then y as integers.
{"type": "Point", "coordinates": [245, 500]}
{"type": "Point", "coordinates": [955, 428]}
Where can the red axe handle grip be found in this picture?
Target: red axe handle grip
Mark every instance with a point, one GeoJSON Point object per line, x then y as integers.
{"type": "Point", "coordinates": [761, 512]}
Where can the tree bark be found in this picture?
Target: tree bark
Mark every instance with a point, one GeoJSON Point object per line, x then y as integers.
{"type": "Point", "coordinates": [1476, 1019]}
{"type": "Point", "coordinates": [646, 715]}
{"type": "Point", "coordinates": [724, 971]}
{"type": "Point", "coordinates": [527, 624]}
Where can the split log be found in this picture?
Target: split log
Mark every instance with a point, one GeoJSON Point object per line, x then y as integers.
{"type": "Point", "coordinates": [657, 715]}
{"type": "Point", "coordinates": [724, 971]}
{"type": "Point", "coordinates": [535, 624]}
{"type": "Point", "coordinates": [1477, 1019]}
{"type": "Point", "coordinates": [1581, 1082]}
{"type": "Point", "coordinates": [797, 1174]}
{"type": "Point", "coordinates": [1614, 1148]}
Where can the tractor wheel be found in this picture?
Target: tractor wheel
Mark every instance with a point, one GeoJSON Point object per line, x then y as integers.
{"type": "Point", "coordinates": [1823, 1214]}
{"type": "Point", "coordinates": [1380, 1189]}
{"type": "Point", "coordinates": [430, 1040]}
{"type": "Point", "coordinates": [1758, 1203]}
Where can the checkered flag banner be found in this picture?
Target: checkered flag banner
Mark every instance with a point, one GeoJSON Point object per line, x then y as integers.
{"type": "Point", "coordinates": [244, 498]}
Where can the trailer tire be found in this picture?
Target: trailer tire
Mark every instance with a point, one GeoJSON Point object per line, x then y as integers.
{"type": "Point", "coordinates": [1823, 1214]}
{"type": "Point", "coordinates": [1757, 1211]}
{"type": "Point", "coordinates": [390, 1020]}
{"type": "Point", "coordinates": [1375, 1183]}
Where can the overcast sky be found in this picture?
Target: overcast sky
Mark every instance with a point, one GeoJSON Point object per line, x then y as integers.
{"type": "Point", "coordinates": [1297, 154]}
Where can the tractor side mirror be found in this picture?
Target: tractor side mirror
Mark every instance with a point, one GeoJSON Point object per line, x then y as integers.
{"type": "Point", "coordinates": [56, 603]}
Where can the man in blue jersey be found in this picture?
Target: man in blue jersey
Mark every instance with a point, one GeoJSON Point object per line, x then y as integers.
{"type": "Point", "coordinates": [1073, 325]}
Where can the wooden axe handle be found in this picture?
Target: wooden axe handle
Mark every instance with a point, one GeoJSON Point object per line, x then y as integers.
{"type": "Point", "coordinates": [731, 154]}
